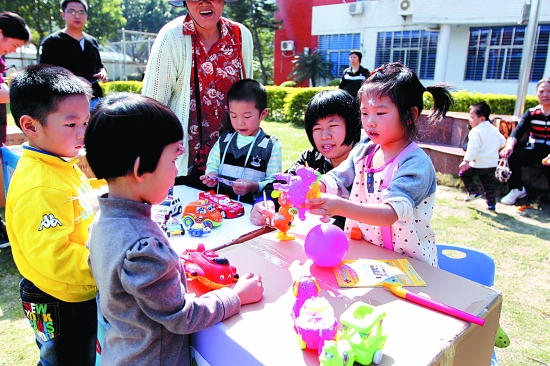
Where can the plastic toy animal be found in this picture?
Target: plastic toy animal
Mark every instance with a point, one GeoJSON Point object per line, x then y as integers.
{"type": "Point", "coordinates": [315, 324]}
{"type": "Point", "coordinates": [361, 340]}
{"type": "Point", "coordinates": [282, 220]}
{"type": "Point", "coordinates": [297, 186]}
{"type": "Point", "coordinates": [210, 269]}
{"type": "Point", "coordinates": [306, 287]}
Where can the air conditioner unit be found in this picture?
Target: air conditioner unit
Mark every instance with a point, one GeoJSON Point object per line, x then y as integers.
{"type": "Point", "coordinates": [405, 7]}
{"type": "Point", "coordinates": [355, 8]}
{"type": "Point", "coordinates": [287, 46]}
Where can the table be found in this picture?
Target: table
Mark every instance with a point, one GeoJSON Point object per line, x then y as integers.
{"type": "Point", "coordinates": [263, 333]}
{"type": "Point", "coordinates": [231, 231]}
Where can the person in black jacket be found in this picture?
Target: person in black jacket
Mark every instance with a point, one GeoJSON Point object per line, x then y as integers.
{"type": "Point", "coordinates": [536, 122]}
{"type": "Point", "coordinates": [355, 74]}
{"type": "Point", "coordinates": [333, 126]}
{"type": "Point", "coordinates": [75, 50]}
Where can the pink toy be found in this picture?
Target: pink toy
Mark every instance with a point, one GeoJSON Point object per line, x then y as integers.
{"type": "Point", "coordinates": [326, 245]}
{"type": "Point", "coordinates": [297, 186]}
{"type": "Point", "coordinates": [316, 324]}
{"type": "Point", "coordinates": [314, 319]}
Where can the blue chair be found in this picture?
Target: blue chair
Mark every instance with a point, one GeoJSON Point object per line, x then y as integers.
{"type": "Point", "coordinates": [469, 263]}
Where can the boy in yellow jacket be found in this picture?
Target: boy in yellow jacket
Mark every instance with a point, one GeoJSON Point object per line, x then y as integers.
{"type": "Point", "coordinates": [48, 215]}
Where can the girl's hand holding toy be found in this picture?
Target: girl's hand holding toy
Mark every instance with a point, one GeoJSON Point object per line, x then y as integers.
{"type": "Point", "coordinates": [211, 179]}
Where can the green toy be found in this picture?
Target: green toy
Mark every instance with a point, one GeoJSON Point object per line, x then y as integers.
{"type": "Point", "coordinates": [361, 339]}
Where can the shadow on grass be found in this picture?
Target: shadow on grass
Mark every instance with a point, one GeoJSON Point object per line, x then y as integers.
{"type": "Point", "coordinates": [10, 305]}
{"type": "Point", "coordinates": [512, 224]}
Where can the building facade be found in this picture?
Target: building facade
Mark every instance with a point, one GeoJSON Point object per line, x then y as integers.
{"type": "Point", "coordinates": [475, 44]}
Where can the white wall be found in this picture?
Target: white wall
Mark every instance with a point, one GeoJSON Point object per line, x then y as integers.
{"type": "Point", "coordinates": [383, 15]}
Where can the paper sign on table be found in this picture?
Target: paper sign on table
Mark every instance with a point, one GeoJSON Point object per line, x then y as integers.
{"type": "Point", "coordinates": [373, 273]}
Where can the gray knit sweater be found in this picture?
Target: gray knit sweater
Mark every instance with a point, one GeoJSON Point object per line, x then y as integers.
{"type": "Point", "coordinates": [142, 289]}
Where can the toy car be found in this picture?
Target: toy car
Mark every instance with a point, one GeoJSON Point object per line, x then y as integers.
{"type": "Point", "coordinates": [210, 269]}
{"type": "Point", "coordinates": [198, 229]}
{"type": "Point", "coordinates": [229, 209]}
{"type": "Point", "coordinates": [361, 340]}
{"type": "Point", "coordinates": [173, 227]}
{"type": "Point", "coordinates": [170, 207]}
{"type": "Point", "coordinates": [203, 212]}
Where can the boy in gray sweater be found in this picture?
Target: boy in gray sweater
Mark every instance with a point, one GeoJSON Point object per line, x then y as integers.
{"type": "Point", "coordinates": [133, 141]}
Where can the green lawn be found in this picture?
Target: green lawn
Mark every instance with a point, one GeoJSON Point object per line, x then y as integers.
{"type": "Point", "coordinates": [521, 249]}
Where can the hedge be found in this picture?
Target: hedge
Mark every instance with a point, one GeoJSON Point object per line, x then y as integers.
{"type": "Point", "coordinates": [288, 103]}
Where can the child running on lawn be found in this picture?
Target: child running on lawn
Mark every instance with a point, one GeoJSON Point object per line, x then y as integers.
{"type": "Point", "coordinates": [391, 204]}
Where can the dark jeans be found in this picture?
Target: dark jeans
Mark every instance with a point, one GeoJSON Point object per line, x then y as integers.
{"type": "Point", "coordinates": [65, 332]}
{"type": "Point", "coordinates": [524, 157]}
{"type": "Point", "coordinates": [487, 178]}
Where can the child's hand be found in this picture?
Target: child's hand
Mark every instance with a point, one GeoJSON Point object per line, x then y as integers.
{"type": "Point", "coordinates": [546, 160]}
{"type": "Point", "coordinates": [259, 212]}
{"type": "Point", "coordinates": [209, 179]}
{"type": "Point", "coordinates": [249, 288]}
{"type": "Point", "coordinates": [243, 186]}
{"type": "Point", "coordinates": [328, 204]}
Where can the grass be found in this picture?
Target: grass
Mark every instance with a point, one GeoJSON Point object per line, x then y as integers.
{"type": "Point", "coordinates": [520, 246]}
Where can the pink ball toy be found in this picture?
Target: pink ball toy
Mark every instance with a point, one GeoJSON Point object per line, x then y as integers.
{"type": "Point", "coordinates": [326, 245]}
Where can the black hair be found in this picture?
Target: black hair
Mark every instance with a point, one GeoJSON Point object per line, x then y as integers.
{"type": "Point", "coordinates": [405, 90]}
{"type": "Point", "coordinates": [357, 53]}
{"type": "Point", "coordinates": [13, 26]}
{"type": "Point", "coordinates": [125, 126]}
{"type": "Point", "coordinates": [248, 90]}
{"type": "Point", "coordinates": [335, 102]}
{"type": "Point", "coordinates": [37, 90]}
{"type": "Point", "coordinates": [481, 109]}
{"type": "Point", "coordinates": [64, 3]}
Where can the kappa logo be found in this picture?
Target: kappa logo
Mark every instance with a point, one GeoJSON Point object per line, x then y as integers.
{"type": "Point", "coordinates": [49, 221]}
{"type": "Point", "coordinates": [256, 161]}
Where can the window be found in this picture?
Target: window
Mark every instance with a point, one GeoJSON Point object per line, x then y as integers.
{"type": "Point", "coordinates": [416, 49]}
{"type": "Point", "coordinates": [335, 48]}
{"type": "Point", "coordinates": [495, 53]}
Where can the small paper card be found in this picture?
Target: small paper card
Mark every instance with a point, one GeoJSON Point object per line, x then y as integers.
{"type": "Point", "coordinates": [374, 272]}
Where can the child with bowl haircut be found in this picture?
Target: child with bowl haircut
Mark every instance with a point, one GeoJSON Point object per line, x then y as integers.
{"type": "Point", "coordinates": [244, 157]}
{"type": "Point", "coordinates": [48, 212]}
{"type": "Point", "coordinates": [141, 280]}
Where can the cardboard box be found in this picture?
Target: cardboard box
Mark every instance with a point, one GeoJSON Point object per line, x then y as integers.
{"type": "Point", "coordinates": [263, 333]}
{"type": "Point", "coordinates": [14, 136]}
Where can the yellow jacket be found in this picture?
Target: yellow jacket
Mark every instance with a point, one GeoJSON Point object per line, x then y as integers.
{"type": "Point", "coordinates": [47, 217]}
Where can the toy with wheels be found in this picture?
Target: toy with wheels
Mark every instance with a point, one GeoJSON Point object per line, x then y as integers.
{"type": "Point", "coordinates": [209, 268]}
{"type": "Point", "coordinates": [203, 212]}
{"type": "Point", "coordinates": [199, 229]}
{"type": "Point", "coordinates": [315, 324]}
{"type": "Point", "coordinates": [361, 338]}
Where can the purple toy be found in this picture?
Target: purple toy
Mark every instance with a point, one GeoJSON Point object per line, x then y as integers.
{"type": "Point", "coordinates": [314, 319]}
{"type": "Point", "coordinates": [326, 245]}
{"type": "Point", "coordinates": [297, 186]}
{"type": "Point", "coordinates": [303, 289]}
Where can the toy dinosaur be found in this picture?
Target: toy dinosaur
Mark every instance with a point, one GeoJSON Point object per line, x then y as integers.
{"type": "Point", "coordinates": [210, 269]}
{"type": "Point", "coordinates": [282, 220]}
{"type": "Point", "coordinates": [298, 186]}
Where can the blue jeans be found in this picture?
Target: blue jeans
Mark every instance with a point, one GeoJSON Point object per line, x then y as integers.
{"type": "Point", "coordinates": [65, 332]}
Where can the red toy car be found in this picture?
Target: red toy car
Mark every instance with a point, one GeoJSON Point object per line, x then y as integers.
{"type": "Point", "coordinates": [229, 209]}
{"type": "Point", "coordinates": [210, 269]}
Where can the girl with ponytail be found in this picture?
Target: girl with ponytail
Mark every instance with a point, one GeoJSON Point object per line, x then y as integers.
{"type": "Point", "coordinates": [392, 180]}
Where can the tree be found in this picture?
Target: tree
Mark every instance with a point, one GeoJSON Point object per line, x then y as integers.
{"type": "Point", "coordinates": [44, 17]}
{"type": "Point", "coordinates": [310, 66]}
{"type": "Point", "coordinates": [259, 17]}
{"type": "Point", "coordinates": [148, 15]}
